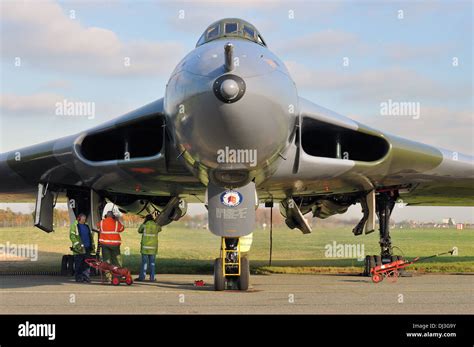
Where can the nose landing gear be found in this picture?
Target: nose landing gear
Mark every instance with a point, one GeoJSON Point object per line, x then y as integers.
{"type": "Point", "coordinates": [231, 270]}
{"type": "Point", "coordinates": [231, 215]}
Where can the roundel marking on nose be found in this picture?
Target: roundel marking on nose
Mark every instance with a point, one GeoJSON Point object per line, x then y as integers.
{"type": "Point", "coordinates": [229, 88]}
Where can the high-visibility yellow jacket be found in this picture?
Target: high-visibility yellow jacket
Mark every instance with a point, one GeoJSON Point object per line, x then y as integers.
{"type": "Point", "coordinates": [149, 231]}
{"type": "Point", "coordinates": [77, 246]}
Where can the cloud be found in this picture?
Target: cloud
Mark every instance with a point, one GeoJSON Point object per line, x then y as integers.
{"type": "Point", "coordinates": [267, 15]}
{"type": "Point", "coordinates": [43, 36]}
{"type": "Point", "coordinates": [39, 106]}
{"type": "Point", "coordinates": [198, 15]}
{"type": "Point", "coordinates": [401, 52]}
{"type": "Point", "coordinates": [439, 126]}
{"type": "Point", "coordinates": [39, 103]}
{"type": "Point", "coordinates": [322, 43]}
{"type": "Point", "coordinates": [57, 84]}
{"type": "Point", "coordinates": [376, 84]}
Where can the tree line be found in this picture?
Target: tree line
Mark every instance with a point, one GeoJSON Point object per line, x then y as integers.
{"type": "Point", "coordinates": [9, 218]}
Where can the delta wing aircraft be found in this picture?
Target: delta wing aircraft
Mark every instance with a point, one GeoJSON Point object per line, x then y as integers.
{"type": "Point", "coordinates": [232, 132]}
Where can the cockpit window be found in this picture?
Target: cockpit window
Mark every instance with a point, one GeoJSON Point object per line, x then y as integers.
{"type": "Point", "coordinates": [212, 32]}
{"type": "Point", "coordinates": [249, 32]}
{"type": "Point", "coordinates": [230, 28]}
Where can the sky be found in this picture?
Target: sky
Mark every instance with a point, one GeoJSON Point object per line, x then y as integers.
{"type": "Point", "coordinates": [348, 56]}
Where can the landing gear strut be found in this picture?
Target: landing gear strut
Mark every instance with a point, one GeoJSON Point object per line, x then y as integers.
{"type": "Point", "coordinates": [384, 203]}
{"type": "Point", "coordinates": [231, 270]}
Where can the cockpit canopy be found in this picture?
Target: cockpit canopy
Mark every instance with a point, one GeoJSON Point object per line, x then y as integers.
{"type": "Point", "coordinates": [231, 27]}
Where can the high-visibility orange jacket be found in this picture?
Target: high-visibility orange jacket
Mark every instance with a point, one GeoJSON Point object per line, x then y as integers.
{"type": "Point", "coordinates": [110, 230]}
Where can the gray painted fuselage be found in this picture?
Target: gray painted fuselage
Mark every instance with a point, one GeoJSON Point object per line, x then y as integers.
{"type": "Point", "coordinates": [259, 124]}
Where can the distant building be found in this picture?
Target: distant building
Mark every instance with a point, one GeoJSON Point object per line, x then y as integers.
{"type": "Point", "coordinates": [447, 223]}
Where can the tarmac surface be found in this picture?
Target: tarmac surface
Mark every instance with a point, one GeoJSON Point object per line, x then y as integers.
{"type": "Point", "coordinates": [272, 294]}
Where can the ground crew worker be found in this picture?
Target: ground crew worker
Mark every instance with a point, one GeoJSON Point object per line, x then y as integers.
{"type": "Point", "coordinates": [82, 247]}
{"type": "Point", "coordinates": [149, 247]}
{"type": "Point", "coordinates": [110, 239]}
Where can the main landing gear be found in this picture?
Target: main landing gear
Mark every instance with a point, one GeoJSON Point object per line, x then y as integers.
{"type": "Point", "coordinates": [231, 270]}
{"type": "Point", "coordinates": [384, 203]}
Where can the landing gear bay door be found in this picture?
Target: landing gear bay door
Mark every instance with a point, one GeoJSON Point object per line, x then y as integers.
{"type": "Point", "coordinates": [231, 211]}
{"type": "Point", "coordinates": [45, 202]}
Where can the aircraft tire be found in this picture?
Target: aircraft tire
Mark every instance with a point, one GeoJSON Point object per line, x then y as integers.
{"type": "Point", "coordinates": [70, 265]}
{"type": "Point", "coordinates": [219, 279]}
{"type": "Point", "coordinates": [366, 265]}
{"type": "Point", "coordinates": [244, 278]}
{"type": "Point", "coordinates": [378, 260]}
{"type": "Point", "coordinates": [369, 263]}
{"type": "Point", "coordinates": [64, 265]}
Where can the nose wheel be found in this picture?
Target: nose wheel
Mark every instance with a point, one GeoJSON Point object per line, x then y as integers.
{"type": "Point", "coordinates": [231, 270]}
{"type": "Point", "coordinates": [219, 278]}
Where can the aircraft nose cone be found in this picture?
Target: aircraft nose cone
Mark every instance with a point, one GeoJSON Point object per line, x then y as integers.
{"type": "Point", "coordinates": [229, 89]}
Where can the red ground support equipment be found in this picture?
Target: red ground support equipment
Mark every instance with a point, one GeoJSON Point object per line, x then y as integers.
{"type": "Point", "coordinates": [199, 283]}
{"type": "Point", "coordinates": [391, 270]}
{"type": "Point", "coordinates": [119, 274]}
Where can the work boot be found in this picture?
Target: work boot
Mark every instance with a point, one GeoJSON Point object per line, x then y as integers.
{"type": "Point", "coordinates": [138, 279]}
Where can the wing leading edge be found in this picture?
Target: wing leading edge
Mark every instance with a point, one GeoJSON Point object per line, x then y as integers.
{"type": "Point", "coordinates": [123, 154]}
{"type": "Point", "coordinates": [336, 155]}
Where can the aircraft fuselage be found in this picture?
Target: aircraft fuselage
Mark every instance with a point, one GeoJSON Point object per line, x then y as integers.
{"type": "Point", "coordinates": [231, 127]}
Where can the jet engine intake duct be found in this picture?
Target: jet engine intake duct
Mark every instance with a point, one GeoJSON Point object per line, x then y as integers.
{"type": "Point", "coordinates": [125, 142]}
{"type": "Point", "coordinates": [321, 139]}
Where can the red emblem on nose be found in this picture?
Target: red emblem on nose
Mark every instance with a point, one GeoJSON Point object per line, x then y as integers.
{"type": "Point", "coordinates": [231, 199]}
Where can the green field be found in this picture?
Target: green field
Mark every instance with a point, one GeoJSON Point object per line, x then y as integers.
{"type": "Point", "coordinates": [184, 250]}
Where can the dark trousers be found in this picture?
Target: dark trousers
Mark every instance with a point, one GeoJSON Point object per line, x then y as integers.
{"type": "Point", "coordinates": [111, 255]}
{"type": "Point", "coordinates": [81, 269]}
